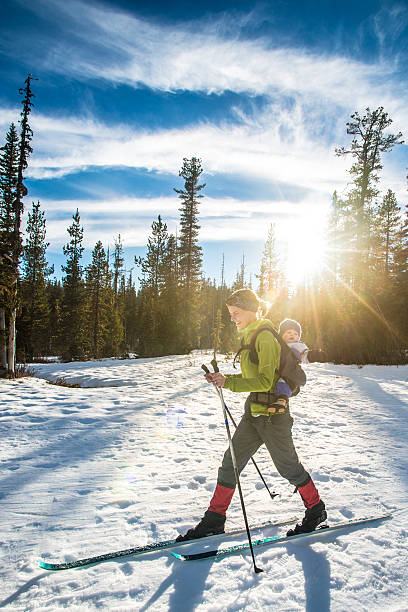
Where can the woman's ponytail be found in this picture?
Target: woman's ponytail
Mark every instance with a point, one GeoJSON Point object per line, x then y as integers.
{"type": "Point", "coordinates": [263, 307]}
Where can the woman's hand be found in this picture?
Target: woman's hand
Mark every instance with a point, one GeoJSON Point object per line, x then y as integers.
{"type": "Point", "coordinates": [216, 378]}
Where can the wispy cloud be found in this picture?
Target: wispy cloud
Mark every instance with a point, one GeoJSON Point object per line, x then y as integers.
{"type": "Point", "coordinates": [222, 219]}
{"type": "Point", "coordinates": [292, 140]}
{"type": "Point", "coordinates": [278, 146]}
{"type": "Point", "coordinates": [388, 25]}
{"type": "Point", "coordinates": [109, 44]}
{"type": "Point", "coordinates": [275, 147]}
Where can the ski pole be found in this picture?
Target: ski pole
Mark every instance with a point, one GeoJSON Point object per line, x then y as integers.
{"type": "Point", "coordinates": [272, 495]}
{"type": "Point", "coordinates": [234, 464]}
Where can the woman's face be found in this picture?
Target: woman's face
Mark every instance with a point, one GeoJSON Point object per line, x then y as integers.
{"type": "Point", "coordinates": [241, 318]}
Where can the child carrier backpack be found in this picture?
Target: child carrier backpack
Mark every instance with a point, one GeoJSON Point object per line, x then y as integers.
{"type": "Point", "coordinates": [289, 367]}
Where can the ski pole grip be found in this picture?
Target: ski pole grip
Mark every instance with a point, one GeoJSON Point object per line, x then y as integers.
{"type": "Point", "coordinates": [206, 370]}
{"type": "Point", "coordinates": [215, 365]}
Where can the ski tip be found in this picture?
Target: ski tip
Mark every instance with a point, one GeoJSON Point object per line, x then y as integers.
{"type": "Point", "coordinates": [45, 565]}
{"type": "Point", "coordinates": [178, 556]}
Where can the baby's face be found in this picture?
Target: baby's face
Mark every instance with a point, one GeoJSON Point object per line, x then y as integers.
{"type": "Point", "coordinates": [290, 335]}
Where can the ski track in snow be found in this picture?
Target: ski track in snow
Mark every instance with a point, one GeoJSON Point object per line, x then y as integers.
{"type": "Point", "coordinates": [131, 457]}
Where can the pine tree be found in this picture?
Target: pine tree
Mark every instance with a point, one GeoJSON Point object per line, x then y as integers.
{"type": "Point", "coordinates": [336, 241]}
{"type": "Point", "coordinates": [368, 144]}
{"type": "Point", "coordinates": [13, 188]}
{"type": "Point", "coordinates": [8, 181]}
{"type": "Point", "coordinates": [117, 263]}
{"type": "Point", "coordinates": [399, 297]}
{"type": "Point", "coordinates": [223, 271]}
{"type": "Point", "coordinates": [72, 308]}
{"type": "Point", "coordinates": [55, 294]}
{"type": "Point", "coordinates": [171, 323]}
{"type": "Point", "coordinates": [153, 262]}
{"type": "Point", "coordinates": [25, 150]}
{"type": "Point", "coordinates": [387, 225]}
{"type": "Point", "coordinates": [270, 275]}
{"type": "Point", "coordinates": [216, 333]}
{"type": "Point", "coordinates": [33, 322]}
{"type": "Point", "coordinates": [130, 318]}
{"type": "Point", "coordinates": [190, 253]}
{"type": "Point", "coordinates": [152, 284]}
{"type": "Point", "coordinates": [366, 148]}
{"type": "Point", "coordinates": [240, 276]}
{"type": "Point", "coordinates": [99, 303]}
{"type": "Point", "coordinates": [207, 312]}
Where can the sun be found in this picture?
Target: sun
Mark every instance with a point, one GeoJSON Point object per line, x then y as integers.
{"type": "Point", "coordinates": [305, 245]}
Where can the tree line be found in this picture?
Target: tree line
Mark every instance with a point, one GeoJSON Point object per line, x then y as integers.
{"type": "Point", "coordinates": [358, 307]}
{"type": "Point", "coordinates": [355, 309]}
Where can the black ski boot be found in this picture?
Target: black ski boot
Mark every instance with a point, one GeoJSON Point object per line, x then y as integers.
{"type": "Point", "coordinates": [211, 524]}
{"type": "Point", "coordinates": [313, 517]}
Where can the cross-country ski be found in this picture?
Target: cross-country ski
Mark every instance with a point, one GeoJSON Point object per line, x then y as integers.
{"type": "Point", "coordinates": [279, 539]}
{"type": "Point", "coordinates": [141, 550]}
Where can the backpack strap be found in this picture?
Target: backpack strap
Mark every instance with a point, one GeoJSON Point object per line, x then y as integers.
{"type": "Point", "coordinates": [253, 355]}
{"type": "Point", "coordinates": [289, 367]}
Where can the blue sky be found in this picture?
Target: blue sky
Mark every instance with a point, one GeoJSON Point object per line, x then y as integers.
{"type": "Point", "coordinates": [261, 92]}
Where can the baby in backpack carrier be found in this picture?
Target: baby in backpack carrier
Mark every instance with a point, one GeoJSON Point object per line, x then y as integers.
{"type": "Point", "coordinates": [290, 331]}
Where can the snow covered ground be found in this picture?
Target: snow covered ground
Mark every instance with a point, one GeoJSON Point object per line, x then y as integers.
{"type": "Point", "coordinates": [131, 457]}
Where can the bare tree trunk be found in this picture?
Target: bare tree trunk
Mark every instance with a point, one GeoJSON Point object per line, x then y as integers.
{"type": "Point", "coordinates": [3, 344]}
{"type": "Point", "coordinates": [12, 343]}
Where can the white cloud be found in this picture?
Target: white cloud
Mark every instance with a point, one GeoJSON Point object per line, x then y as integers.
{"type": "Point", "coordinates": [277, 147]}
{"type": "Point", "coordinates": [254, 149]}
{"type": "Point", "coordinates": [110, 44]}
{"type": "Point", "coordinates": [221, 219]}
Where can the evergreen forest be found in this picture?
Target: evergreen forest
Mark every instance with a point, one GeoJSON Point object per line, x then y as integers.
{"type": "Point", "coordinates": [353, 311]}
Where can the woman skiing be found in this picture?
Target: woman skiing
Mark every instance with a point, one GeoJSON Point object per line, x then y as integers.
{"type": "Point", "coordinates": [265, 421]}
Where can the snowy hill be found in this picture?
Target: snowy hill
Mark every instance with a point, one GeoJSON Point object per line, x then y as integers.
{"type": "Point", "coordinates": [131, 457]}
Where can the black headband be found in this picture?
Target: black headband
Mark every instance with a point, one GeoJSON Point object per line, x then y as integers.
{"type": "Point", "coordinates": [245, 303]}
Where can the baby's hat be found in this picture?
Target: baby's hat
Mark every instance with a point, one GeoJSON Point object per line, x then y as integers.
{"type": "Point", "coordinates": [290, 324]}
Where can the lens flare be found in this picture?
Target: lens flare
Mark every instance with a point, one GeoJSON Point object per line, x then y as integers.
{"type": "Point", "coordinates": [305, 245]}
{"type": "Point", "coordinates": [171, 422]}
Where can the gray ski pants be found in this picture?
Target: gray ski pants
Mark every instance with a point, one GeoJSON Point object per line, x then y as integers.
{"type": "Point", "coordinates": [276, 434]}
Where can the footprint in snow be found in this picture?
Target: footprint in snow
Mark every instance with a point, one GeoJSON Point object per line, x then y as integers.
{"type": "Point", "coordinates": [86, 421]}
{"type": "Point", "coordinates": [122, 504]}
{"type": "Point", "coordinates": [358, 471]}
{"type": "Point", "coordinates": [126, 569]}
{"type": "Point", "coordinates": [321, 477]}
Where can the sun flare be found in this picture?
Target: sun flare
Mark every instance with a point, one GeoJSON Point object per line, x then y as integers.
{"type": "Point", "coordinates": [305, 245]}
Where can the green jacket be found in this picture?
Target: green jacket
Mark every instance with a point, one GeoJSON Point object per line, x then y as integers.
{"type": "Point", "coordinates": [262, 377]}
